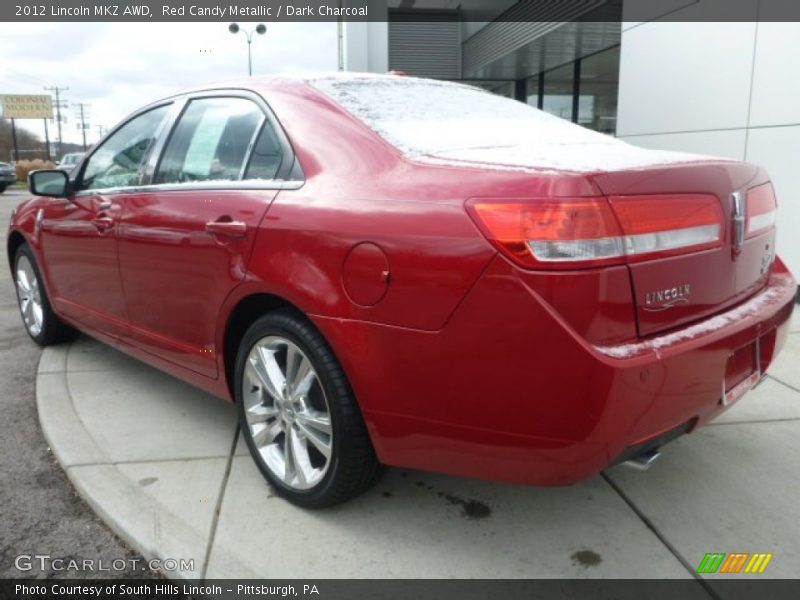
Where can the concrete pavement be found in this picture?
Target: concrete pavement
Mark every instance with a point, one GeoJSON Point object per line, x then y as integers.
{"type": "Point", "coordinates": [163, 465]}
{"type": "Point", "coordinates": [39, 510]}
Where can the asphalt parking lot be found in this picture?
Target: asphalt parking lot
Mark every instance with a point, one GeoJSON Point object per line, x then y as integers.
{"type": "Point", "coordinates": [39, 509]}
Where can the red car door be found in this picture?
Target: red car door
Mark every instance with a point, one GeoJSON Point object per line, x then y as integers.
{"type": "Point", "coordinates": [185, 240]}
{"type": "Point", "coordinates": [79, 234]}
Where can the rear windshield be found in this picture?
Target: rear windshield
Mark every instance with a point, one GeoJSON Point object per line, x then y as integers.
{"type": "Point", "coordinates": [431, 117]}
{"type": "Point", "coordinates": [446, 122]}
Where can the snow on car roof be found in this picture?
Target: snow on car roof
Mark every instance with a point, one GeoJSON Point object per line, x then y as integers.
{"type": "Point", "coordinates": [449, 123]}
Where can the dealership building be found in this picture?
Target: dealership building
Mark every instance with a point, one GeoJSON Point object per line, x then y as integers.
{"type": "Point", "coordinates": [720, 88]}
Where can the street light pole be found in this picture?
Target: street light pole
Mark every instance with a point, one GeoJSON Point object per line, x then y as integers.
{"type": "Point", "coordinates": [260, 29]}
{"type": "Point", "coordinates": [249, 56]}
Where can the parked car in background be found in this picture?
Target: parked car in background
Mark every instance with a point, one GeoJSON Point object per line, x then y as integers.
{"type": "Point", "coordinates": [8, 176]}
{"type": "Point", "coordinates": [70, 161]}
{"type": "Point", "coordinates": [389, 270]}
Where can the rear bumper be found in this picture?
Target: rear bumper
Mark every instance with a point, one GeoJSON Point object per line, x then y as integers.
{"type": "Point", "coordinates": [508, 391]}
{"type": "Point", "coordinates": [8, 179]}
{"type": "Point", "coordinates": [691, 362]}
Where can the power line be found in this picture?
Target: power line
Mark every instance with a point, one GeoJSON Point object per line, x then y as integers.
{"type": "Point", "coordinates": [59, 104]}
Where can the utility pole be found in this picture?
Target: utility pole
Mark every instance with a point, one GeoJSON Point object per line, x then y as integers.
{"type": "Point", "coordinates": [46, 142]}
{"type": "Point", "coordinates": [58, 106]}
{"type": "Point", "coordinates": [83, 116]}
{"type": "Point", "coordinates": [101, 132]}
{"type": "Point", "coordinates": [14, 140]}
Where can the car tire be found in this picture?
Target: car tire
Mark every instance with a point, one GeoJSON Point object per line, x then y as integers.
{"type": "Point", "coordinates": [41, 323]}
{"type": "Point", "coordinates": [3, 187]}
{"type": "Point", "coordinates": [295, 407]}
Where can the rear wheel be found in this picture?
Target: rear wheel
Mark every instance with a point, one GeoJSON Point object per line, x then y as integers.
{"type": "Point", "coordinates": [298, 414]}
{"type": "Point", "coordinates": [3, 187]}
{"type": "Point", "coordinates": [41, 323]}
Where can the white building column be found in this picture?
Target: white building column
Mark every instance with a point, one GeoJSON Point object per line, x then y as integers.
{"type": "Point", "coordinates": [724, 89]}
{"type": "Point", "coordinates": [364, 46]}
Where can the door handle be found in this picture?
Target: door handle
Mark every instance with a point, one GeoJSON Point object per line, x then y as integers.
{"type": "Point", "coordinates": [103, 223]}
{"type": "Point", "coordinates": [234, 229]}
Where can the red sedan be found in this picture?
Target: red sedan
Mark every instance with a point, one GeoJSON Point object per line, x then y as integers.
{"type": "Point", "coordinates": [381, 270]}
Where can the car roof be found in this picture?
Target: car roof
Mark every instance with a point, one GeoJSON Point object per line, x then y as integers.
{"type": "Point", "coordinates": [296, 79]}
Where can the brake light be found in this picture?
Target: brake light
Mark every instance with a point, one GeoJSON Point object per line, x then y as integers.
{"type": "Point", "coordinates": [762, 210]}
{"type": "Point", "coordinates": [572, 233]}
{"type": "Point", "coordinates": [666, 225]}
{"type": "Point", "coordinates": [588, 232]}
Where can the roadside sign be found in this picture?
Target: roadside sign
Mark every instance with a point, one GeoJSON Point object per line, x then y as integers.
{"type": "Point", "coordinates": [26, 106]}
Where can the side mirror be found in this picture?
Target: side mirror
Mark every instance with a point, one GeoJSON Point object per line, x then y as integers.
{"type": "Point", "coordinates": [49, 182]}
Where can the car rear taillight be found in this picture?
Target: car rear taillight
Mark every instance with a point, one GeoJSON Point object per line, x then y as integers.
{"type": "Point", "coordinates": [762, 210]}
{"type": "Point", "coordinates": [669, 224]}
{"type": "Point", "coordinates": [579, 232]}
{"type": "Point", "coordinates": [588, 232]}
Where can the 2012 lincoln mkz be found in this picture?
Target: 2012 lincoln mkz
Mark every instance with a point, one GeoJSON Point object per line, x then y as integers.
{"type": "Point", "coordinates": [383, 270]}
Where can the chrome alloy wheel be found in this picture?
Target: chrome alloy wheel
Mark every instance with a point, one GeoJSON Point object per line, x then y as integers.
{"type": "Point", "coordinates": [287, 412]}
{"type": "Point", "coordinates": [29, 296]}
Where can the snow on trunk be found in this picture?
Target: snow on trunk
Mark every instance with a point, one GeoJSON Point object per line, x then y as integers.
{"type": "Point", "coordinates": [441, 122]}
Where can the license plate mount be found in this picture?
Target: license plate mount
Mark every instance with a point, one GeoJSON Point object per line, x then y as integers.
{"type": "Point", "coordinates": [745, 361]}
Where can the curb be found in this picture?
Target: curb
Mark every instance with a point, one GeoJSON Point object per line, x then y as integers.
{"type": "Point", "coordinates": [141, 522]}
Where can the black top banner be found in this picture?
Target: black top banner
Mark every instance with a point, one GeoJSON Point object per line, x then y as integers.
{"type": "Point", "coordinates": [383, 10]}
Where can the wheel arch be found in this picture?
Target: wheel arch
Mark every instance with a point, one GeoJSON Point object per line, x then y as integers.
{"type": "Point", "coordinates": [244, 313]}
{"type": "Point", "coordinates": [14, 241]}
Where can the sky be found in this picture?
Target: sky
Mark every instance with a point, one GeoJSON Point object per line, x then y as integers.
{"type": "Point", "coordinates": [119, 67]}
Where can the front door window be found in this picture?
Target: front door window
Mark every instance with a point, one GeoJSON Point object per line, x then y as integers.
{"type": "Point", "coordinates": [119, 161]}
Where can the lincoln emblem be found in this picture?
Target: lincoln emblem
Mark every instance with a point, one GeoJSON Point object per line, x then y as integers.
{"type": "Point", "coordinates": [667, 298]}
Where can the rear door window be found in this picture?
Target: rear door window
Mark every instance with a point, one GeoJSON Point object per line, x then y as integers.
{"type": "Point", "coordinates": [211, 141]}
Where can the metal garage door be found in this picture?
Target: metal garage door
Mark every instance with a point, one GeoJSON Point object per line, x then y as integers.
{"type": "Point", "coordinates": [425, 43]}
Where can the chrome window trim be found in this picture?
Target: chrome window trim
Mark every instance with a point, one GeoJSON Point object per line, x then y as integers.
{"type": "Point", "coordinates": [179, 102]}
{"type": "Point", "coordinates": [154, 160]}
{"type": "Point", "coordinates": [231, 186]}
{"type": "Point", "coordinates": [248, 155]}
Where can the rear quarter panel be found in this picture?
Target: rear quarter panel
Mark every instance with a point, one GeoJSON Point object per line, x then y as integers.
{"type": "Point", "coordinates": [360, 189]}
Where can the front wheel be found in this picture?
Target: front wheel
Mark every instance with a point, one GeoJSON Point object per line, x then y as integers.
{"type": "Point", "coordinates": [298, 414]}
{"type": "Point", "coordinates": [3, 187]}
{"type": "Point", "coordinates": [41, 323]}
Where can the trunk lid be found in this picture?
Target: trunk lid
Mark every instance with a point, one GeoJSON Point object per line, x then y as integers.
{"type": "Point", "coordinates": [672, 291]}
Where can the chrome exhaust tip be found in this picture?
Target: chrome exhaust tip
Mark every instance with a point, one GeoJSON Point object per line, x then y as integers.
{"type": "Point", "coordinates": [643, 461]}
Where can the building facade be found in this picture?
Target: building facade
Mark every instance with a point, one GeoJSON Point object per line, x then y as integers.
{"type": "Point", "coordinates": [724, 89]}
{"type": "Point", "coordinates": [727, 89]}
